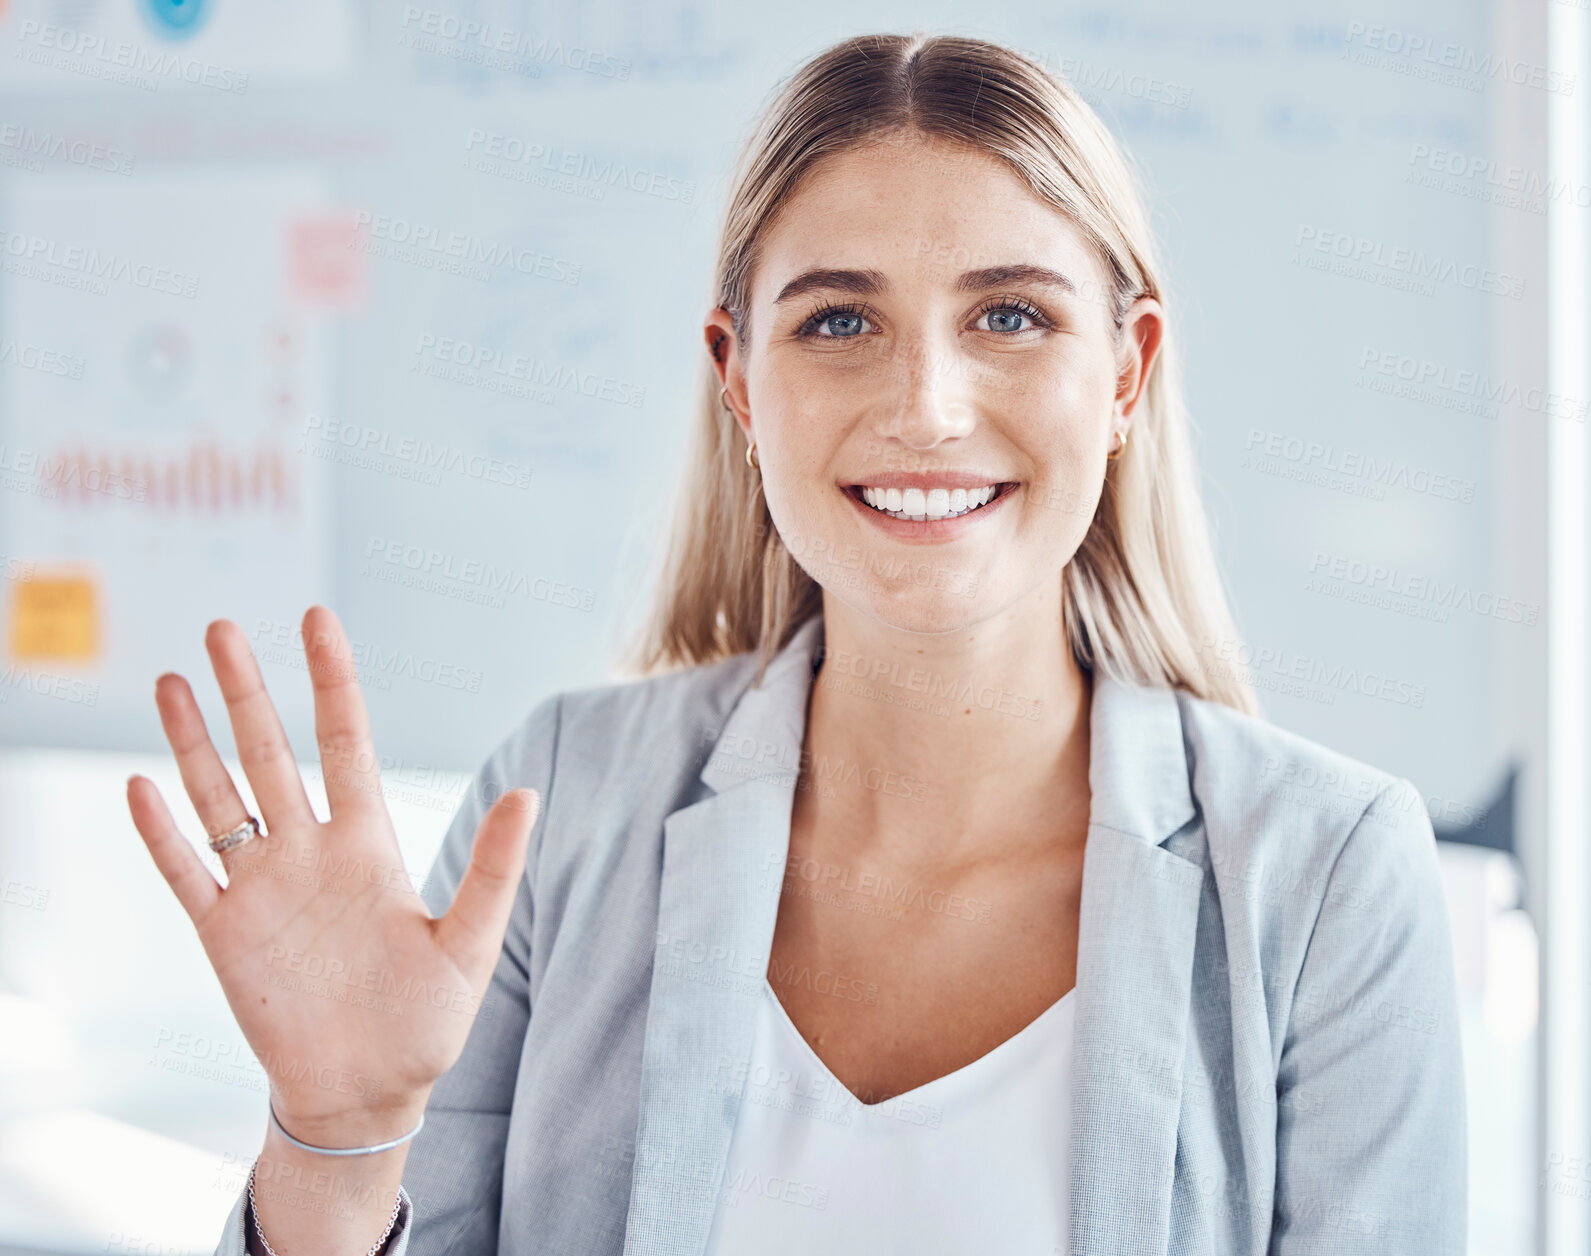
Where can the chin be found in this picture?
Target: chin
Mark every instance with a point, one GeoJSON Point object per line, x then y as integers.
{"type": "Point", "coordinates": [913, 608]}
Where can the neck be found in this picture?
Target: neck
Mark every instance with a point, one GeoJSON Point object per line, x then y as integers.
{"type": "Point", "coordinates": [949, 746]}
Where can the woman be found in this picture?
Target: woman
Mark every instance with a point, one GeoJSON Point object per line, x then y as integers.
{"type": "Point", "coordinates": [951, 897]}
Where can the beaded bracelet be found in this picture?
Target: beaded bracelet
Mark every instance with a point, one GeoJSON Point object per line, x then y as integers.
{"type": "Point", "coordinates": [259, 1233]}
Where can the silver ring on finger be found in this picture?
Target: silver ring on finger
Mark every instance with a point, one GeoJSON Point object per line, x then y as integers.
{"type": "Point", "coordinates": [233, 838]}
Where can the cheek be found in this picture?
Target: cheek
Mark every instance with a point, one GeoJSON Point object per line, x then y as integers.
{"type": "Point", "coordinates": [791, 449]}
{"type": "Point", "coordinates": [1061, 419]}
{"type": "Point", "coordinates": [1061, 414]}
{"type": "Point", "coordinates": [1080, 378]}
{"type": "Point", "coordinates": [800, 419]}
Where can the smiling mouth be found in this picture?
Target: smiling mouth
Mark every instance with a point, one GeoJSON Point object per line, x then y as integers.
{"type": "Point", "coordinates": [925, 505]}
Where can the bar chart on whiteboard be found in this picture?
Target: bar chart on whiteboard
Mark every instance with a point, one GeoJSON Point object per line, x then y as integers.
{"type": "Point", "coordinates": [164, 353]}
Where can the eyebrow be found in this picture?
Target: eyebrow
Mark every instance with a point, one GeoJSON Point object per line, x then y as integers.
{"type": "Point", "coordinates": [1020, 272]}
{"type": "Point", "coordinates": [864, 283]}
{"type": "Point", "coordinates": [869, 283]}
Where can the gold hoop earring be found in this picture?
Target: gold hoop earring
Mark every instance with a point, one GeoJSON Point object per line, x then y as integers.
{"type": "Point", "coordinates": [1116, 453]}
{"type": "Point", "coordinates": [723, 396]}
{"type": "Point", "coordinates": [751, 457]}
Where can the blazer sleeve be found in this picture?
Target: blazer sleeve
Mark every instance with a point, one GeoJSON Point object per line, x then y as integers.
{"type": "Point", "coordinates": [454, 1173]}
{"type": "Point", "coordinates": [1370, 1130]}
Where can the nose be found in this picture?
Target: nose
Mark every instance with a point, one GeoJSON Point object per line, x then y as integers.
{"type": "Point", "coordinates": [929, 394]}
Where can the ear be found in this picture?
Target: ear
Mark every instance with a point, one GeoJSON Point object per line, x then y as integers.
{"type": "Point", "coordinates": [724, 347]}
{"type": "Point", "coordinates": [1141, 333]}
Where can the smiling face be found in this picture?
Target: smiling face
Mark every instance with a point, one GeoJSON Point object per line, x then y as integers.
{"type": "Point", "coordinates": [933, 381]}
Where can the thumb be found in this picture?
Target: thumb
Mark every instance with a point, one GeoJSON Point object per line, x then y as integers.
{"type": "Point", "coordinates": [472, 930]}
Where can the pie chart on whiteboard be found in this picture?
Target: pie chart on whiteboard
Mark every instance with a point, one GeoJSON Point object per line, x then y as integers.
{"type": "Point", "coordinates": [175, 19]}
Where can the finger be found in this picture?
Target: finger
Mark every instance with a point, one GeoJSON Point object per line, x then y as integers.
{"type": "Point", "coordinates": [178, 862]}
{"type": "Point", "coordinates": [472, 930]}
{"type": "Point", "coordinates": [263, 750]}
{"type": "Point", "coordinates": [210, 786]}
{"type": "Point", "coordinates": [342, 727]}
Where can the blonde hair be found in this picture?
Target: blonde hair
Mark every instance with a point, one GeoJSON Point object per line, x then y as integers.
{"type": "Point", "coordinates": [1142, 597]}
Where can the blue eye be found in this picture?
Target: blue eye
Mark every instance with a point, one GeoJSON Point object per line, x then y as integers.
{"type": "Point", "coordinates": [1008, 315]}
{"type": "Point", "coordinates": [1006, 320]}
{"type": "Point", "coordinates": [835, 322]}
{"type": "Point", "coordinates": [841, 325]}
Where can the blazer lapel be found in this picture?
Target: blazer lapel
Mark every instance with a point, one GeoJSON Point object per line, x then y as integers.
{"type": "Point", "coordinates": [723, 867]}
{"type": "Point", "coordinates": [723, 864]}
{"type": "Point", "coordinates": [1140, 907]}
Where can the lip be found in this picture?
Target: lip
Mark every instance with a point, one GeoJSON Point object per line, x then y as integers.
{"type": "Point", "coordinates": [932, 530]}
{"type": "Point", "coordinates": [926, 480]}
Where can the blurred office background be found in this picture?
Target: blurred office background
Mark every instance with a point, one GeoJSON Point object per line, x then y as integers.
{"type": "Point", "coordinates": [211, 405]}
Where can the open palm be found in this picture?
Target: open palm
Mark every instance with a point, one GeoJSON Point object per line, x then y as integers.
{"type": "Point", "coordinates": [352, 996]}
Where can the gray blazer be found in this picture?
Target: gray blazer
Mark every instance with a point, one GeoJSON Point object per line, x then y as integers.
{"type": "Point", "coordinates": [1266, 1054]}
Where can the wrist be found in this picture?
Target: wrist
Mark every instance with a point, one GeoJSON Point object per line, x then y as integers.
{"type": "Point", "coordinates": [289, 1202]}
{"type": "Point", "coordinates": [364, 1126]}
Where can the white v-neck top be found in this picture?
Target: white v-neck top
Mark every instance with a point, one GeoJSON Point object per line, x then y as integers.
{"type": "Point", "coordinates": [974, 1161]}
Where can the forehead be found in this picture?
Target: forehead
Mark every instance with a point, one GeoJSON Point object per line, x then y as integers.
{"type": "Point", "coordinates": [917, 210]}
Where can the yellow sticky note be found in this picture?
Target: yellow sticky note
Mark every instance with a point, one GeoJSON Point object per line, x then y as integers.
{"type": "Point", "coordinates": [55, 617]}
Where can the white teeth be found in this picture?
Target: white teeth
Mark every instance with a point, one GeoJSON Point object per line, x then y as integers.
{"type": "Point", "coordinates": [934, 503]}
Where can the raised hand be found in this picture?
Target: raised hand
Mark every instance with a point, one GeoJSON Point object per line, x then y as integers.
{"type": "Point", "coordinates": [352, 996]}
